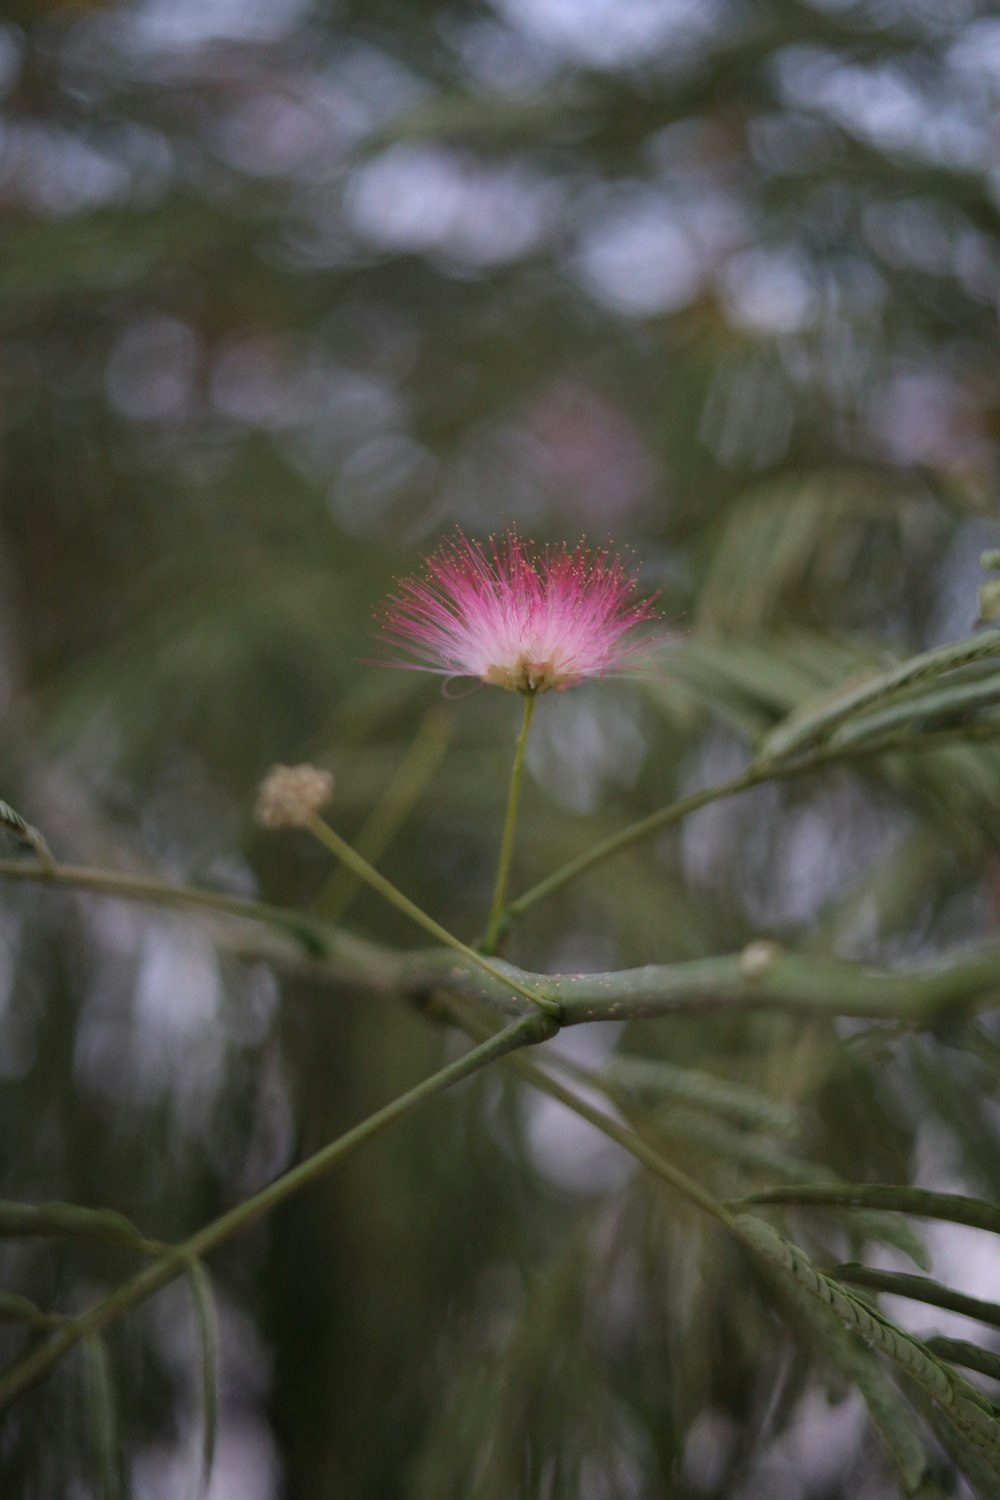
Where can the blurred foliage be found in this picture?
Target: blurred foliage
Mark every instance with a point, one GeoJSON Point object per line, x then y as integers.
{"type": "Point", "coordinates": [289, 290]}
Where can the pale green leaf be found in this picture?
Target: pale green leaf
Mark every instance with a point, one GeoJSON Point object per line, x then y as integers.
{"type": "Point", "coordinates": [648, 1079]}
{"type": "Point", "coordinates": [815, 722]}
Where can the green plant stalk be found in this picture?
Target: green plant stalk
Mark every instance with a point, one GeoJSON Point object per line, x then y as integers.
{"type": "Point", "coordinates": [510, 824]}
{"type": "Point", "coordinates": [635, 832]}
{"type": "Point", "coordinates": [394, 807]}
{"type": "Point", "coordinates": [634, 1144]}
{"type": "Point", "coordinates": [524, 1032]}
{"type": "Point", "coordinates": [332, 840]}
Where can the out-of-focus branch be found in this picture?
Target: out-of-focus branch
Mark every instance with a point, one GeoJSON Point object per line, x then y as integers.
{"type": "Point", "coordinates": [529, 1030]}
{"type": "Point", "coordinates": [310, 934]}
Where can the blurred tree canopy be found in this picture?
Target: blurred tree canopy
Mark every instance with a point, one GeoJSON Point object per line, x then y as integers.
{"type": "Point", "coordinates": [290, 290]}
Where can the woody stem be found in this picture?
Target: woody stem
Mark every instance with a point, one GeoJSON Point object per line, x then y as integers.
{"type": "Point", "coordinates": [510, 823]}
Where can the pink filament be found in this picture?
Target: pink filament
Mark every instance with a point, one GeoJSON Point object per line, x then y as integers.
{"type": "Point", "coordinates": [520, 619]}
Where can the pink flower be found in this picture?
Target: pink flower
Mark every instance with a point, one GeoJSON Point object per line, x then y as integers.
{"type": "Point", "coordinates": [519, 618]}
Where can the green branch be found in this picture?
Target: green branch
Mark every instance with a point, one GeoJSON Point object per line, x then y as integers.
{"type": "Point", "coordinates": [634, 833]}
{"type": "Point", "coordinates": [765, 977]}
{"type": "Point", "coordinates": [390, 812]}
{"type": "Point", "coordinates": [525, 1032]}
{"type": "Point", "coordinates": [349, 856]}
{"type": "Point", "coordinates": [758, 773]}
{"type": "Point", "coordinates": [314, 937]}
{"type": "Point", "coordinates": [762, 977]}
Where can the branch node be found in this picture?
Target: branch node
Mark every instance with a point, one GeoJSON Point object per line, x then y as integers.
{"type": "Point", "coordinates": [758, 958]}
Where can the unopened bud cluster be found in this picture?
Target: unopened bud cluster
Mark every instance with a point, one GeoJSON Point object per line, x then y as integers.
{"type": "Point", "coordinates": [289, 796]}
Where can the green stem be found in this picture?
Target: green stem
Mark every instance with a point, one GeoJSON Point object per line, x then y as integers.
{"type": "Point", "coordinates": [634, 832]}
{"type": "Point", "coordinates": [394, 807]}
{"type": "Point", "coordinates": [756, 774]}
{"type": "Point", "coordinates": [354, 861]}
{"type": "Point", "coordinates": [510, 824]}
{"type": "Point", "coordinates": [524, 1032]}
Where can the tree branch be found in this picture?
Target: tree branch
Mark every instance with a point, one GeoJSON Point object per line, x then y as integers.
{"type": "Point", "coordinates": [762, 977]}
{"type": "Point", "coordinates": [527, 1031]}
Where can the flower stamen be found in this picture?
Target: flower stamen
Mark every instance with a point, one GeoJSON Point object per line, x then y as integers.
{"type": "Point", "coordinates": [525, 620]}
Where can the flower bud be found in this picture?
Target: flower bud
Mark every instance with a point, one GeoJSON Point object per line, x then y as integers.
{"type": "Point", "coordinates": [289, 795]}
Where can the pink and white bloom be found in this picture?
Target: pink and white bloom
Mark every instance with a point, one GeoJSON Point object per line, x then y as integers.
{"type": "Point", "coordinates": [524, 619]}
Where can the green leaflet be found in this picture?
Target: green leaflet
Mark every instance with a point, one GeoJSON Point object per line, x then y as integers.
{"type": "Point", "coordinates": [964, 1406]}
{"type": "Point", "coordinates": [810, 725]}
{"type": "Point", "coordinates": [96, 1226]}
{"type": "Point", "coordinates": [890, 1229]}
{"type": "Point", "coordinates": [743, 1147]}
{"type": "Point", "coordinates": [756, 1153]}
{"type": "Point", "coordinates": [954, 1207]}
{"type": "Point", "coordinates": [891, 1414]}
{"type": "Point", "coordinates": [779, 541]}
{"type": "Point", "coordinates": [967, 1458]}
{"type": "Point", "coordinates": [961, 1352]}
{"type": "Point", "coordinates": [649, 1079]}
{"type": "Point", "coordinates": [920, 1289]}
{"type": "Point", "coordinates": [749, 681]}
{"type": "Point", "coordinates": [912, 714]}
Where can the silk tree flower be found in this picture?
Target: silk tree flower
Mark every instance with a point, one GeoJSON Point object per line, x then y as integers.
{"type": "Point", "coordinates": [528, 620]}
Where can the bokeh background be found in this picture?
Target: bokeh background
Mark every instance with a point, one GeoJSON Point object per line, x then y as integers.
{"type": "Point", "coordinates": [289, 289]}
